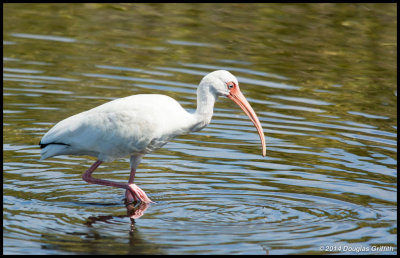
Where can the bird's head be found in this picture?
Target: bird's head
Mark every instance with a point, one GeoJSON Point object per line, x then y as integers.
{"type": "Point", "coordinates": [223, 83]}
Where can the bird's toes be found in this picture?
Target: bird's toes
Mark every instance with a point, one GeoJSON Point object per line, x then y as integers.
{"type": "Point", "coordinates": [137, 194]}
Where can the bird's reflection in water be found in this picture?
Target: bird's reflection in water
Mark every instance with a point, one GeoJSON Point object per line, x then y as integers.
{"type": "Point", "coordinates": [134, 210]}
{"type": "Point", "coordinates": [98, 241]}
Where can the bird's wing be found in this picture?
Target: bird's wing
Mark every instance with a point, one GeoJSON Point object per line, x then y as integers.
{"type": "Point", "coordinates": [139, 123]}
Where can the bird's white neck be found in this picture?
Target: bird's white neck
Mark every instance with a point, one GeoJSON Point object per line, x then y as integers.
{"type": "Point", "coordinates": [205, 105]}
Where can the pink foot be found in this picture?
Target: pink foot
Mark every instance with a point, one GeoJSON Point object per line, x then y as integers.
{"type": "Point", "coordinates": [135, 193]}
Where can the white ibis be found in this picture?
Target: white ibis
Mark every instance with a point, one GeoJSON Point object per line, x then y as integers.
{"type": "Point", "coordinates": [137, 125]}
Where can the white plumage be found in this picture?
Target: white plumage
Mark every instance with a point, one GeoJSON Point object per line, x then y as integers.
{"type": "Point", "coordinates": [137, 125]}
{"type": "Point", "coordinates": [119, 128]}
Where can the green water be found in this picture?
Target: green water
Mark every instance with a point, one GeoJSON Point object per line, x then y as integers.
{"type": "Point", "coordinates": [322, 79]}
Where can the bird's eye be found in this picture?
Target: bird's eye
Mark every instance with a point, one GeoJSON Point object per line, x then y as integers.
{"type": "Point", "coordinates": [230, 85]}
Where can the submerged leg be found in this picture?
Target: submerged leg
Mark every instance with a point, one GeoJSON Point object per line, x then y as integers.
{"type": "Point", "coordinates": [131, 188]}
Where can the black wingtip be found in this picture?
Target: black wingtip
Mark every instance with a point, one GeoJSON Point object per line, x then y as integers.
{"type": "Point", "coordinates": [43, 145]}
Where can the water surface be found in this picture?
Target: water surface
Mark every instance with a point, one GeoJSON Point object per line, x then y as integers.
{"type": "Point", "coordinates": [321, 78]}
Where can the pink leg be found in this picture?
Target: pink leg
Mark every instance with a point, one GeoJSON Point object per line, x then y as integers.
{"type": "Point", "coordinates": [132, 176]}
{"type": "Point", "coordinates": [87, 176]}
{"type": "Point", "coordinates": [132, 188]}
{"type": "Point", "coordinates": [137, 192]}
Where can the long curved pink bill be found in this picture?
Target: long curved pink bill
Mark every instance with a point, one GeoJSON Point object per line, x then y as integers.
{"type": "Point", "coordinates": [237, 96]}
